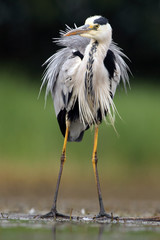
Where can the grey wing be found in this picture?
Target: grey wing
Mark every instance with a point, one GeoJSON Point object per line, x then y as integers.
{"type": "Point", "coordinates": [116, 67]}
{"type": "Point", "coordinates": [53, 69]}
{"type": "Point", "coordinates": [59, 78]}
{"type": "Point", "coordinates": [74, 46]}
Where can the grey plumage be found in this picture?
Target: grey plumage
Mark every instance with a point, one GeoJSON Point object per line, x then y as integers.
{"type": "Point", "coordinates": [82, 78]}
{"type": "Point", "coordinates": [61, 77]}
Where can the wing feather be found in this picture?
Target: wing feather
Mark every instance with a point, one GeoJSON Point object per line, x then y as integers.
{"type": "Point", "coordinates": [77, 43]}
{"type": "Point", "coordinates": [61, 67]}
{"type": "Point", "coordinates": [116, 67]}
{"type": "Point", "coordinates": [123, 67]}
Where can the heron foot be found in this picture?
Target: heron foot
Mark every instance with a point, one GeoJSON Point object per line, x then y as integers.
{"type": "Point", "coordinates": [104, 215]}
{"type": "Point", "coordinates": [54, 214]}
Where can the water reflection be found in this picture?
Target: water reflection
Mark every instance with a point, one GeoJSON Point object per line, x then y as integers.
{"type": "Point", "coordinates": [54, 231]}
{"type": "Point", "coordinates": [40, 230]}
{"type": "Point", "coordinates": [101, 230]}
{"type": "Point", "coordinates": [82, 231]}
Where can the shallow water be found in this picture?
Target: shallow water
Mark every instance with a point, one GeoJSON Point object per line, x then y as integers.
{"type": "Point", "coordinates": [18, 221]}
{"type": "Point", "coordinates": [79, 231]}
{"type": "Point", "coordinates": [22, 226]}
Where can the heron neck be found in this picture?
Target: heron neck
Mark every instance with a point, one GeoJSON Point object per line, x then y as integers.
{"type": "Point", "coordinates": [95, 51]}
{"type": "Point", "coordinates": [102, 47]}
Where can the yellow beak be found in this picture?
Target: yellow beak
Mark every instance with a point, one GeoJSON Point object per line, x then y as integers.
{"type": "Point", "coordinates": [79, 30]}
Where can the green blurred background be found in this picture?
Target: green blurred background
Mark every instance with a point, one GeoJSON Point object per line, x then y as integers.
{"type": "Point", "coordinates": [30, 139]}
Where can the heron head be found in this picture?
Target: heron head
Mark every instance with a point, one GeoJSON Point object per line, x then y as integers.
{"type": "Point", "coordinates": [96, 27]}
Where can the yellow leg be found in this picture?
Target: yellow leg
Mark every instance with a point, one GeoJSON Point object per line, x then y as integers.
{"type": "Point", "coordinates": [65, 143]}
{"type": "Point", "coordinates": [63, 159]}
{"type": "Point", "coordinates": [53, 212]}
{"type": "Point", "coordinates": [102, 212]}
{"type": "Point", "coordinates": [94, 155]}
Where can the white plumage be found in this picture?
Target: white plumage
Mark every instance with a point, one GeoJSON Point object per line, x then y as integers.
{"type": "Point", "coordinates": [82, 78]}
{"type": "Point", "coordinates": [79, 72]}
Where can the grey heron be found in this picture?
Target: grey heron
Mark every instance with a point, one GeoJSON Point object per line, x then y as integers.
{"type": "Point", "coordinates": [82, 78]}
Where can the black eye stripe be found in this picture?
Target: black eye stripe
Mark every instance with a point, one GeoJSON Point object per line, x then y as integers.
{"type": "Point", "coordinates": [101, 21]}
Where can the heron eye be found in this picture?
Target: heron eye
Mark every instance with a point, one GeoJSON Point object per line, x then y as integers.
{"type": "Point", "coordinates": [96, 26]}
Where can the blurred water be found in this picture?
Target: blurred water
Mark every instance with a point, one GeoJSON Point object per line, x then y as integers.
{"type": "Point", "coordinates": [29, 229]}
